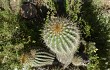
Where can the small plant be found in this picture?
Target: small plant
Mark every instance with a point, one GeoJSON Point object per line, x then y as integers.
{"type": "Point", "coordinates": [36, 59]}
{"type": "Point", "coordinates": [79, 61]}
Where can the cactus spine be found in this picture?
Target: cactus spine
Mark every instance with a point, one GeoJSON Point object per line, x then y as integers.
{"type": "Point", "coordinates": [62, 37]}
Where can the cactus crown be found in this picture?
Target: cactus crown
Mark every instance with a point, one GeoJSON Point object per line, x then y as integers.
{"type": "Point", "coordinates": [56, 28]}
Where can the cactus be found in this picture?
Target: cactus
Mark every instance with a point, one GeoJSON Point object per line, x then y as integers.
{"type": "Point", "coordinates": [62, 37]}
{"type": "Point", "coordinates": [36, 59]}
{"type": "Point", "coordinates": [78, 61]}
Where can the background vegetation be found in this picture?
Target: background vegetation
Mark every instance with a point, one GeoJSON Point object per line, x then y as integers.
{"type": "Point", "coordinates": [19, 33]}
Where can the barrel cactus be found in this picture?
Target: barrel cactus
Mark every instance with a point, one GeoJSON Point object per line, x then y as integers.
{"type": "Point", "coordinates": [36, 59]}
{"type": "Point", "coordinates": [62, 36]}
{"type": "Point", "coordinates": [79, 61]}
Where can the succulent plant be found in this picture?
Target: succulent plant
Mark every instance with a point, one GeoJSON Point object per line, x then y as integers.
{"type": "Point", "coordinates": [62, 36]}
{"type": "Point", "coordinates": [78, 61]}
{"type": "Point", "coordinates": [36, 59]}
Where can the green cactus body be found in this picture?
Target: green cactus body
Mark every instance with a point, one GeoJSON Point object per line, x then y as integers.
{"type": "Point", "coordinates": [37, 59]}
{"type": "Point", "coordinates": [62, 37]}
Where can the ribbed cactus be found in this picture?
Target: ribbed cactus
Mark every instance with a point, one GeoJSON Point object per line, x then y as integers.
{"type": "Point", "coordinates": [62, 37]}
{"type": "Point", "coordinates": [78, 61]}
{"type": "Point", "coordinates": [36, 59]}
